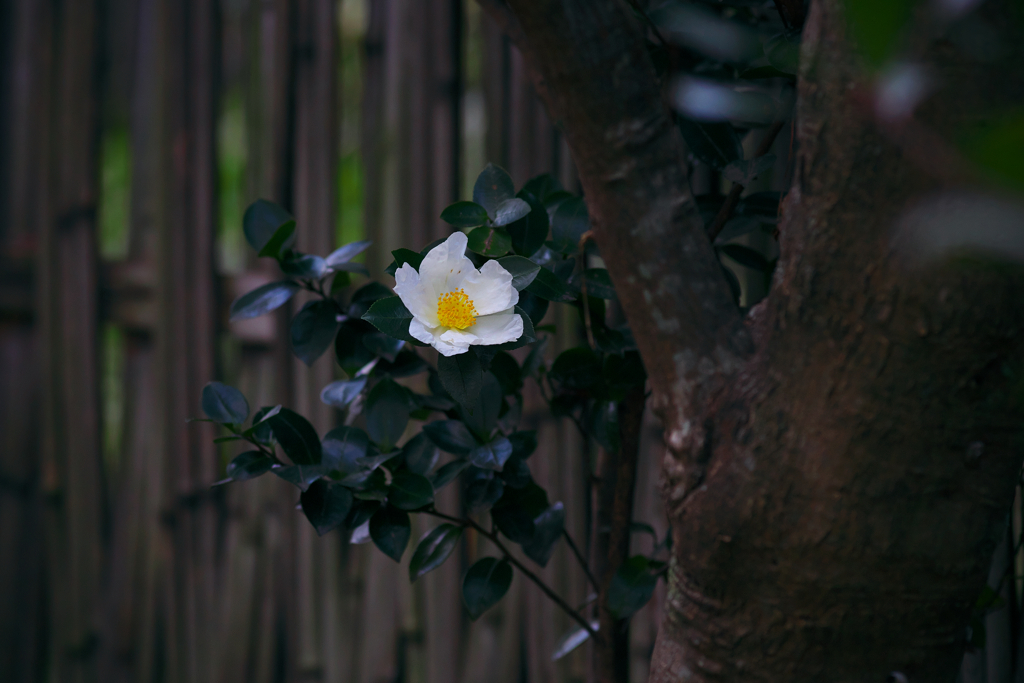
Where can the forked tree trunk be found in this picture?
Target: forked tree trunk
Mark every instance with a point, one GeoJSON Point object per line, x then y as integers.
{"type": "Point", "coordinates": [841, 460]}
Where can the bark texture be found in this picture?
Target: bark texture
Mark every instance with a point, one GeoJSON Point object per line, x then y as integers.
{"type": "Point", "coordinates": [841, 462]}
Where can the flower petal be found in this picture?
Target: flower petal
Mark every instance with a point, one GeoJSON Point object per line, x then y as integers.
{"type": "Point", "coordinates": [497, 328]}
{"type": "Point", "coordinates": [445, 266]}
{"type": "Point", "coordinates": [416, 295]}
{"type": "Point", "coordinates": [490, 289]}
{"type": "Point", "coordinates": [435, 337]}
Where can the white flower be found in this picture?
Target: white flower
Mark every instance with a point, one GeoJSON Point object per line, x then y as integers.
{"type": "Point", "coordinates": [454, 305]}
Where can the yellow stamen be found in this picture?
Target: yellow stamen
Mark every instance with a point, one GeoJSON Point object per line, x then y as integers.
{"type": "Point", "coordinates": [455, 309]}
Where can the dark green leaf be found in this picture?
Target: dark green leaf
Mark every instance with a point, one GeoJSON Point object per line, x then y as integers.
{"type": "Point", "coordinates": [352, 267]}
{"type": "Point", "coordinates": [484, 418]}
{"type": "Point", "coordinates": [624, 371]}
{"type": "Point", "coordinates": [304, 265]}
{"type": "Point", "coordinates": [345, 447]}
{"type": "Point", "coordinates": [783, 52]}
{"type": "Point", "coordinates": [313, 329]}
{"type": "Point", "coordinates": [511, 210]}
{"type": "Point", "coordinates": [225, 404]}
{"type": "Point", "coordinates": [383, 345]}
{"type": "Point", "coordinates": [349, 349]}
{"type": "Point", "coordinates": [462, 377]}
{"type": "Point", "coordinates": [403, 256]}
{"type": "Point", "coordinates": [876, 26]}
{"type": "Point", "coordinates": [387, 413]}
{"type": "Point", "coordinates": [407, 363]}
{"type": "Point", "coordinates": [529, 232]}
{"type": "Point", "coordinates": [744, 172]}
{"type": "Point", "coordinates": [260, 429]}
{"type": "Point", "coordinates": [505, 368]}
{"type": "Point", "coordinates": [523, 270]}
{"type": "Point", "coordinates": [548, 286]}
{"type": "Point", "coordinates": [338, 283]}
{"type": "Point", "coordinates": [576, 368]}
{"type": "Point", "coordinates": [738, 226]}
{"type": "Point", "coordinates": [410, 491]}
{"type": "Point", "coordinates": [282, 236]}
{"type": "Point", "coordinates": [326, 504]}
{"type": "Point", "coordinates": [493, 186]}
{"type": "Point", "coordinates": [368, 485]}
{"type": "Point", "coordinates": [390, 530]}
{"type": "Point", "coordinates": [599, 283]}
{"type": "Point", "coordinates": [464, 215]}
{"type": "Point", "coordinates": [489, 241]}
{"type": "Point", "coordinates": [340, 394]}
{"type": "Point", "coordinates": [534, 306]}
{"type": "Point", "coordinates": [716, 144]}
{"type": "Point", "coordinates": [433, 549]}
{"type": "Point", "coordinates": [568, 225]}
{"type": "Point", "coordinates": [513, 521]}
{"type": "Point", "coordinates": [249, 465]}
{"type": "Point", "coordinates": [516, 472]}
{"type": "Point", "coordinates": [366, 295]}
{"type": "Point", "coordinates": [745, 256]}
{"type": "Point", "coordinates": [301, 476]}
{"type": "Point", "coordinates": [541, 186]}
{"type": "Point", "coordinates": [631, 587]}
{"type": "Point", "coordinates": [420, 454]}
{"type": "Point", "coordinates": [524, 443]}
{"type": "Point", "coordinates": [447, 473]}
{"type": "Point", "coordinates": [451, 436]}
{"type": "Point", "coordinates": [262, 300]}
{"type": "Point", "coordinates": [604, 424]}
{"type": "Point", "coordinates": [261, 220]}
{"type": "Point", "coordinates": [362, 510]}
{"type": "Point", "coordinates": [347, 253]}
{"type": "Point", "coordinates": [482, 491]}
{"type": "Point", "coordinates": [547, 529]}
{"type": "Point", "coordinates": [492, 455]}
{"type": "Point", "coordinates": [759, 72]}
{"type": "Point", "coordinates": [391, 317]}
{"type": "Point", "coordinates": [297, 437]}
{"type": "Point", "coordinates": [485, 584]}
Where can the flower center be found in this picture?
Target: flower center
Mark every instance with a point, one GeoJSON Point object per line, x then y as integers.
{"type": "Point", "coordinates": [455, 309]}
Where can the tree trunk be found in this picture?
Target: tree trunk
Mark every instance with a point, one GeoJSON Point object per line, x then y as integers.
{"type": "Point", "coordinates": [841, 461]}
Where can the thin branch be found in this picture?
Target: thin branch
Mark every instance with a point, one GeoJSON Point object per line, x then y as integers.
{"type": "Point", "coordinates": [588, 235]}
{"type": "Point", "coordinates": [725, 213]}
{"type": "Point", "coordinates": [580, 559]}
{"type": "Point", "coordinates": [493, 538]}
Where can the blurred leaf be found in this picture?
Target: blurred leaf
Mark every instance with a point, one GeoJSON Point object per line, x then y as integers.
{"type": "Point", "coordinates": [576, 368]}
{"type": "Point", "coordinates": [352, 267]}
{"type": "Point", "coordinates": [506, 370]}
{"type": "Point", "coordinates": [260, 429]}
{"type": "Point", "coordinates": [998, 148]}
{"type": "Point", "coordinates": [759, 72]}
{"type": "Point", "coordinates": [541, 186]}
{"type": "Point", "coordinates": [493, 186]}
{"type": "Point", "coordinates": [516, 473]}
{"type": "Point", "coordinates": [225, 404]}
{"type": "Point", "coordinates": [326, 504]}
{"type": "Point", "coordinates": [347, 253]}
{"type": "Point", "coordinates": [447, 473]}
{"type": "Point", "coordinates": [624, 371]}
{"type": "Point", "coordinates": [304, 266]}
{"type": "Point", "coordinates": [599, 283]}
{"type": "Point", "coordinates": [433, 549]}
{"type": "Point", "coordinates": [484, 418]}
{"type": "Point", "coordinates": [403, 256]}
{"type": "Point", "coordinates": [744, 172]}
{"type": "Point", "coordinates": [282, 236]}
{"type": "Point", "coordinates": [631, 587]}
{"type": "Point", "coordinates": [738, 226]}
{"type": "Point", "coordinates": [363, 297]}
{"type": "Point", "coordinates": [383, 345]}
{"type": "Point", "coordinates": [340, 394]}
{"type": "Point", "coordinates": [349, 349]}
{"type": "Point", "coordinates": [716, 144]}
{"type": "Point", "coordinates": [524, 443]}
{"type": "Point", "coordinates": [406, 364]}
{"type": "Point", "coordinates": [410, 491]}
{"type": "Point", "coordinates": [529, 232]}
{"type": "Point", "coordinates": [249, 465]}
{"type": "Point", "coordinates": [390, 530]}
{"type": "Point", "coordinates": [262, 300]}
{"type": "Point", "coordinates": [513, 521]}
{"type": "Point", "coordinates": [261, 221]}
{"type": "Point", "coordinates": [783, 52]}
{"type": "Point", "coordinates": [387, 413]}
{"type": "Point", "coordinates": [462, 377]}
{"type": "Point", "coordinates": [391, 317]}
{"type": "Point", "coordinates": [361, 512]}
{"type": "Point", "coordinates": [420, 454]}
{"type": "Point", "coordinates": [296, 436]}
{"type": "Point", "coordinates": [547, 529]}
{"type": "Point", "coordinates": [534, 306]}
{"type": "Point", "coordinates": [451, 436]}
{"type": "Point", "coordinates": [523, 270]}
{"type": "Point", "coordinates": [876, 26]}
{"type": "Point", "coordinates": [745, 256]}
{"type": "Point", "coordinates": [489, 241]}
{"type": "Point", "coordinates": [485, 584]}
{"type": "Point", "coordinates": [483, 490]}
{"type": "Point", "coordinates": [464, 214]}
{"type": "Point", "coordinates": [511, 210]}
{"type": "Point", "coordinates": [548, 286]}
{"type": "Point", "coordinates": [568, 224]}
{"type": "Point", "coordinates": [572, 640]}
{"type": "Point", "coordinates": [313, 329]}
{"type": "Point", "coordinates": [491, 455]}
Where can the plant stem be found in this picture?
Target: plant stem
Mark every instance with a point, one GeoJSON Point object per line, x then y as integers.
{"type": "Point", "coordinates": [580, 559]}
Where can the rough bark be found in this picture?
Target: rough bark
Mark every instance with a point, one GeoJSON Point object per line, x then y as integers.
{"type": "Point", "coordinates": [840, 463]}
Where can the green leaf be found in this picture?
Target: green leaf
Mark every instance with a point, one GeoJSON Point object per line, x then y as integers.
{"type": "Point", "coordinates": [744, 172]}
{"type": "Point", "coordinates": [283, 235]}
{"type": "Point", "coordinates": [261, 221]}
{"type": "Point", "coordinates": [313, 329]}
{"type": "Point", "coordinates": [485, 584]}
{"type": "Point", "coordinates": [260, 429]}
{"type": "Point", "coordinates": [403, 256]}
{"type": "Point", "coordinates": [383, 345]}
{"type": "Point", "coordinates": [225, 404]}
{"type": "Point", "coordinates": [349, 349]}
{"type": "Point", "coordinates": [407, 363]}
{"type": "Point", "coordinates": [433, 549]}
{"type": "Point", "coordinates": [493, 186]}
{"type": "Point", "coordinates": [304, 265]}
{"type": "Point", "coordinates": [352, 267]}
{"type": "Point", "coordinates": [346, 447]}
{"type": "Point", "coordinates": [491, 455]}
{"type": "Point", "coordinates": [506, 370]}
{"type": "Point", "coordinates": [528, 233]}
{"type": "Point", "coordinates": [783, 52]}
{"type": "Point", "coordinates": [745, 256]}
{"type": "Point", "coordinates": [568, 224]}
{"type": "Point", "coordinates": [391, 317]}
{"type": "Point", "coordinates": [447, 473]}
{"type": "Point", "coordinates": [524, 443]}
{"type": "Point", "coordinates": [326, 504]}
{"type": "Point", "coordinates": [297, 437]}
{"type": "Point", "coordinates": [410, 491]}
{"type": "Point", "coordinates": [366, 295]}
{"type": "Point", "coordinates": [420, 454]}
{"type": "Point", "coordinates": [547, 529]}
{"type": "Point", "coordinates": [548, 286]}
{"type": "Point", "coordinates": [716, 144]}
{"type": "Point", "coordinates": [631, 587]}
{"type": "Point", "coordinates": [624, 371]}
{"type": "Point", "coordinates": [340, 394]}
{"type": "Point", "coordinates": [484, 418]}
{"type": "Point", "coordinates": [482, 491]}
{"type": "Point", "coordinates": [387, 413]}
{"type": "Point", "coordinates": [523, 270]}
{"type": "Point", "coordinates": [513, 521]}
{"type": "Point", "coordinates": [361, 512]}
{"type": "Point", "coordinates": [464, 214]}
{"type": "Point", "coordinates": [451, 436]}
{"type": "Point", "coordinates": [390, 530]}
{"type": "Point", "coordinates": [576, 368]}
{"type": "Point", "coordinates": [534, 306]}
{"type": "Point", "coordinates": [462, 377]}
{"type": "Point", "coordinates": [488, 241]}
{"type": "Point", "coordinates": [249, 465]}
{"type": "Point", "coordinates": [347, 253]}
{"type": "Point", "coordinates": [541, 186]}
{"type": "Point", "coordinates": [262, 300]}
{"type": "Point", "coordinates": [516, 473]}
{"type": "Point", "coordinates": [510, 211]}
{"type": "Point", "coordinates": [599, 283]}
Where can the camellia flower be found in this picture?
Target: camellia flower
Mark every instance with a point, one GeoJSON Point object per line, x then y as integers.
{"type": "Point", "coordinates": [454, 305]}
